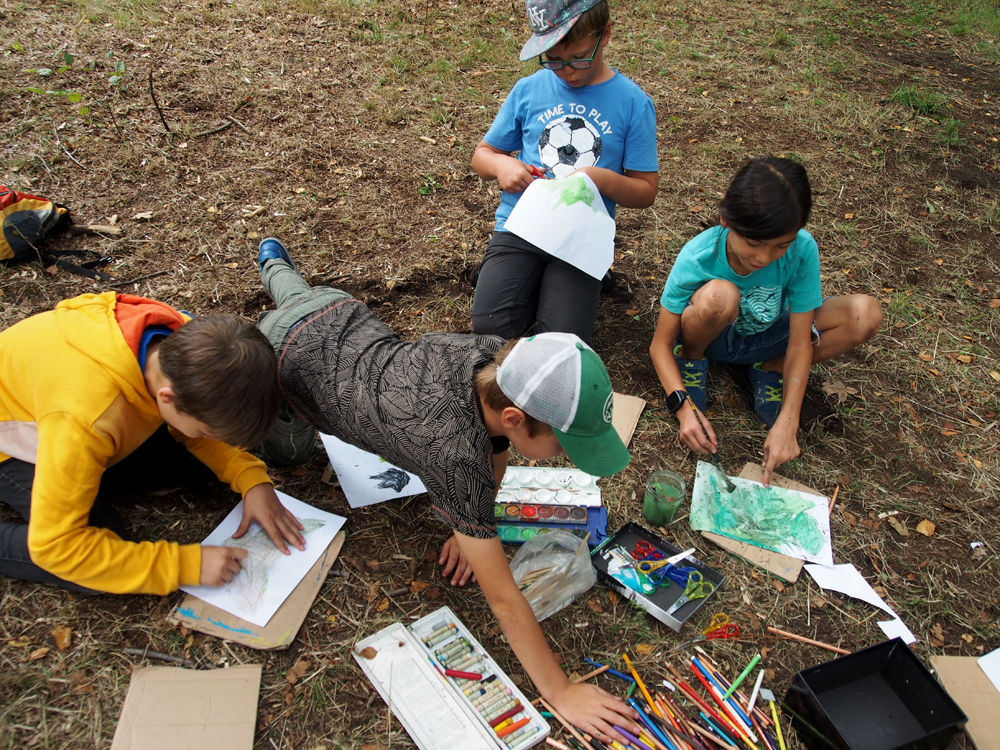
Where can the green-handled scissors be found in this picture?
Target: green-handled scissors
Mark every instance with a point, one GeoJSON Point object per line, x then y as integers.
{"type": "Point", "coordinates": [697, 588]}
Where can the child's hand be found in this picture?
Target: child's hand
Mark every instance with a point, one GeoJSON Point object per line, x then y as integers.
{"type": "Point", "coordinates": [782, 445]}
{"type": "Point", "coordinates": [514, 175]}
{"type": "Point", "coordinates": [696, 431]}
{"type": "Point", "coordinates": [262, 505]}
{"type": "Point", "coordinates": [595, 711]}
{"type": "Point", "coordinates": [453, 560]}
{"type": "Point", "coordinates": [219, 565]}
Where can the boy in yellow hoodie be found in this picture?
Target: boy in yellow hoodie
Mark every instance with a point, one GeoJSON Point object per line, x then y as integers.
{"type": "Point", "coordinates": [83, 386]}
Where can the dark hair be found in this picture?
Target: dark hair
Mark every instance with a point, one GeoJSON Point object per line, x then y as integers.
{"type": "Point", "coordinates": [768, 198]}
{"type": "Point", "coordinates": [223, 373]}
{"type": "Point", "coordinates": [591, 22]}
{"type": "Point", "coordinates": [491, 395]}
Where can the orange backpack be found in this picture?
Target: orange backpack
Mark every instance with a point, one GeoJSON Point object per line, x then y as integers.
{"type": "Point", "coordinates": [27, 221]}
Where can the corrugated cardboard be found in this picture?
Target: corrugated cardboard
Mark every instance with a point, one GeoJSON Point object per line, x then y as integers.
{"type": "Point", "coordinates": [625, 414]}
{"type": "Point", "coordinates": [783, 566]}
{"type": "Point", "coordinates": [972, 690]}
{"type": "Point", "coordinates": [190, 709]}
{"type": "Point", "coordinates": [280, 630]}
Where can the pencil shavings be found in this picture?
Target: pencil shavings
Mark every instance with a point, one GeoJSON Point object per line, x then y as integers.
{"type": "Point", "coordinates": [368, 652]}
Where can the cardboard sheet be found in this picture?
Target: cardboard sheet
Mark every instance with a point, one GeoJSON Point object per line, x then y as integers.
{"type": "Point", "coordinates": [625, 414]}
{"type": "Point", "coordinates": [188, 708]}
{"type": "Point", "coordinates": [785, 567]}
{"type": "Point", "coordinates": [280, 630]}
{"type": "Point", "coordinates": [972, 690]}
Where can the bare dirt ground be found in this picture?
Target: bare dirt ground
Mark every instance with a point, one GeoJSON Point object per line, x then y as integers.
{"type": "Point", "coordinates": [346, 128]}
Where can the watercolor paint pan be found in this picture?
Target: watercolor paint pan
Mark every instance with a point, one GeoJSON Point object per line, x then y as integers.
{"type": "Point", "coordinates": [527, 513]}
{"type": "Point", "coordinates": [662, 598]}
{"type": "Point", "coordinates": [517, 532]}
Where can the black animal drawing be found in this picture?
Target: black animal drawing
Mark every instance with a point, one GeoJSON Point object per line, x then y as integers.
{"type": "Point", "coordinates": [395, 479]}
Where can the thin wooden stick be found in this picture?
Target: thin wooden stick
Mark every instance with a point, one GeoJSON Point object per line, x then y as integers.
{"type": "Point", "coordinates": [596, 672]}
{"type": "Point", "coordinates": [76, 230]}
{"type": "Point", "coordinates": [810, 641]}
{"type": "Point", "coordinates": [159, 655]}
{"type": "Point", "coordinates": [210, 132]}
{"type": "Point", "coordinates": [833, 500]}
{"type": "Point", "coordinates": [239, 124]}
{"type": "Point", "coordinates": [156, 104]}
{"type": "Point", "coordinates": [65, 150]}
{"type": "Point", "coordinates": [565, 723]}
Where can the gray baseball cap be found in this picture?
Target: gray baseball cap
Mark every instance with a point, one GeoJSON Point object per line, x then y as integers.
{"type": "Point", "coordinates": [551, 20]}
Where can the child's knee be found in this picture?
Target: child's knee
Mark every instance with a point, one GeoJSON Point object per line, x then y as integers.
{"type": "Point", "coordinates": [866, 317]}
{"type": "Point", "coordinates": [717, 303]}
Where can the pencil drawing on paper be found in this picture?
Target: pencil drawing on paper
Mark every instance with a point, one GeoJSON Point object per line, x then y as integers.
{"type": "Point", "coordinates": [394, 479]}
{"type": "Point", "coordinates": [250, 586]}
{"type": "Point", "coordinates": [779, 519]}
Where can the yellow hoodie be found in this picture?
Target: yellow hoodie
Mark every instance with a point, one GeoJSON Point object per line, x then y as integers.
{"type": "Point", "coordinates": [73, 401]}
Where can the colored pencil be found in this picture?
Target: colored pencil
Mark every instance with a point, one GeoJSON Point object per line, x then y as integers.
{"type": "Point", "coordinates": [638, 680]}
{"type": "Point", "coordinates": [632, 738]}
{"type": "Point", "coordinates": [610, 671]}
{"type": "Point", "coordinates": [810, 641]}
{"type": "Point", "coordinates": [743, 675]}
{"type": "Point", "coordinates": [596, 672]}
{"type": "Point", "coordinates": [561, 720]}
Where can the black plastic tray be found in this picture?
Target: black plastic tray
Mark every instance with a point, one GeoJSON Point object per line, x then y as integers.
{"type": "Point", "coordinates": [879, 698]}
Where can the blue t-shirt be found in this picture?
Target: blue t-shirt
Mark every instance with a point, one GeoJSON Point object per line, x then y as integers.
{"type": "Point", "coordinates": [789, 283]}
{"type": "Point", "coordinates": [561, 129]}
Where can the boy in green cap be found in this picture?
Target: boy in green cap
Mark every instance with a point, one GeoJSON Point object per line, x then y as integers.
{"type": "Point", "coordinates": [446, 407]}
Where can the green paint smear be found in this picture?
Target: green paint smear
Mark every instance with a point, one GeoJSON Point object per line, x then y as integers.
{"type": "Point", "coordinates": [765, 516]}
{"type": "Point", "coordinates": [571, 190]}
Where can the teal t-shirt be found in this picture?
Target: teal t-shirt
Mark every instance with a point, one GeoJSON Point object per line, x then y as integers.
{"type": "Point", "coordinates": [789, 283]}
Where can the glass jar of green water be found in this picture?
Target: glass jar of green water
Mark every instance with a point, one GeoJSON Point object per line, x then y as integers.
{"type": "Point", "coordinates": [664, 494]}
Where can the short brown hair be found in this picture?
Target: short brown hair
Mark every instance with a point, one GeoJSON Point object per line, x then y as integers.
{"type": "Point", "coordinates": [224, 373]}
{"type": "Point", "coordinates": [489, 391]}
{"type": "Point", "coordinates": [591, 22]}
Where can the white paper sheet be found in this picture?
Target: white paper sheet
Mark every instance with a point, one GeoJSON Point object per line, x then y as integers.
{"type": "Point", "coordinates": [990, 664]}
{"type": "Point", "coordinates": [267, 577]}
{"type": "Point", "coordinates": [848, 580]}
{"type": "Point", "coordinates": [567, 218]}
{"type": "Point", "coordinates": [365, 478]}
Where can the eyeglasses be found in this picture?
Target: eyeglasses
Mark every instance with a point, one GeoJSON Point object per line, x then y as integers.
{"type": "Point", "coordinates": [575, 64]}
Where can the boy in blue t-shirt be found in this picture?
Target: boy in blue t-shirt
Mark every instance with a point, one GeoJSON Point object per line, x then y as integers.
{"type": "Point", "coordinates": [576, 114]}
{"type": "Point", "coordinates": [748, 292]}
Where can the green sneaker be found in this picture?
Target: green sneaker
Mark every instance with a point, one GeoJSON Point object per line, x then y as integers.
{"type": "Point", "coordinates": [768, 388]}
{"type": "Point", "coordinates": [694, 375]}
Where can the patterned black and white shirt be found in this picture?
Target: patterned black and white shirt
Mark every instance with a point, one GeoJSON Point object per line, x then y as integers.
{"type": "Point", "coordinates": [411, 402]}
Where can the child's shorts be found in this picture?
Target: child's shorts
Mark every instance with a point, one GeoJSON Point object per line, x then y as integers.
{"type": "Point", "coordinates": [735, 349]}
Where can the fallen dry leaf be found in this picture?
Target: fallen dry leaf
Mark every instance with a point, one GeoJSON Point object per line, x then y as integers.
{"type": "Point", "coordinates": [769, 673]}
{"type": "Point", "coordinates": [764, 652]}
{"type": "Point", "coordinates": [838, 389]}
{"type": "Point", "coordinates": [18, 642]}
{"type": "Point", "coordinates": [926, 527]}
{"type": "Point", "coordinates": [383, 605]}
{"type": "Point", "coordinates": [995, 375]}
{"type": "Point", "coordinates": [367, 652]}
{"type": "Point", "coordinates": [898, 526]}
{"type": "Point", "coordinates": [644, 649]}
{"type": "Point", "coordinates": [926, 357]}
{"type": "Point", "coordinates": [697, 209]}
{"type": "Point", "coordinates": [994, 303]}
{"type": "Point", "coordinates": [967, 638]}
{"type": "Point", "coordinates": [595, 606]}
{"type": "Point", "coordinates": [417, 586]}
{"type": "Point", "coordinates": [432, 593]}
{"type": "Point", "coordinates": [849, 517]}
{"type": "Point", "coordinates": [234, 264]}
{"type": "Point", "coordinates": [937, 635]}
{"type": "Point", "coordinates": [964, 358]}
{"type": "Point", "coordinates": [39, 653]}
{"type": "Point", "coordinates": [297, 672]}
{"type": "Point", "coordinates": [143, 216]}
{"type": "Point", "coordinates": [848, 216]}
{"type": "Point", "coordinates": [64, 637]}
{"type": "Point", "coordinates": [372, 565]}
{"type": "Point", "coordinates": [938, 261]}
{"type": "Point", "coordinates": [614, 597]}
{"type": "Point", "coordinates": [372, 594]}
{"type": "Point", "coordinates": [819, 601]}
{"type": "Point", "coordinates": [631, 313]}
{"type": "Point", "coordinates": [779, 585]}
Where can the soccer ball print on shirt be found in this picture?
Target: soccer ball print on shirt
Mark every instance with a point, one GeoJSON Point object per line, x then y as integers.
{"type": "Point", "coordinates": [567, 144]}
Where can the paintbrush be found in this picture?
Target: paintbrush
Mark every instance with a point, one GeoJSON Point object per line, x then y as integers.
{"type": "Point", "coordinates": [730, 487]}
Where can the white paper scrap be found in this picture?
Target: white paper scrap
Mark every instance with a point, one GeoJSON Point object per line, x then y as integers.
{"type": "Point", "coordinates": [267, 577]}
{"type": "Point", "coordinates": [848, 580]}
{"type": "Point", "coordinates": [990, 664]}
{"type": "Point", "coordinates": [365, 478]}
{"type": "Point", "coordinates": [567, 218]}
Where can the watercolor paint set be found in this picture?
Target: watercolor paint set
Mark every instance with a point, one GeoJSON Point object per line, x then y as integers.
{"type": "Point", "coordinates": [633, 561]}
{"type": "Point", "coordinates": [445, 689]}
{"type": "Point", "coordinates": [516, 531]}
{"type": "Point", "coordinates": [534, 500]}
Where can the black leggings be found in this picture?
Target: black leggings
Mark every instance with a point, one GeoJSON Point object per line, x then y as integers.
{"type": "Point", "coordinates": [524, 290]}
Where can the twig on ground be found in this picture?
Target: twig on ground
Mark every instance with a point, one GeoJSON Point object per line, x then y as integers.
{"type": "Point", "coordinates": [156, 104]}
{"type": "Point", "coordinates": [239, 124]}
{"type": "Point", "coordinates": [145, 653]}
{"type": "Point", "coordinates": [65, 150]}
{"type": "Point", "coordinates": [139, 278]}
{"type": "Point", "coordinates": [213, 131]}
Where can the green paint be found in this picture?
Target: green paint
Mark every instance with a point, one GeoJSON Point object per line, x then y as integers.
{"type": "Point", "coordinates": [770, 517]}
{"type": "Point", "coordinates": [576, 190]}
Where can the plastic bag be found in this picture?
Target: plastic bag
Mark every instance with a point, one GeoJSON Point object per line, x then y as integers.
{"type": "Point", "coordinates": [551, 570]}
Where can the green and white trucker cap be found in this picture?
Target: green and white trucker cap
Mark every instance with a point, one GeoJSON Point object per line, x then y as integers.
{"type": "Point", "coordinates": [559, 380]}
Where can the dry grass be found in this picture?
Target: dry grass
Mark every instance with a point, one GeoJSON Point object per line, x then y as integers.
{"type": "Point", "coordinates": [334, 97]}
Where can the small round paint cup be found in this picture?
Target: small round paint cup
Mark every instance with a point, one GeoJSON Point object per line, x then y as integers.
{"type": "Point", "coordinates": [563, 478]}
{"type": "Point", "coordinates": [664, 495]}
{"type": "Point", "coordinates": [543, 496]}
{"type": "Point", "coordinates": [523, 495]}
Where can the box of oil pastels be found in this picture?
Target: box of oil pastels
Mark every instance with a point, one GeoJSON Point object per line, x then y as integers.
{"type": "Point", "coordinates": [445, 689]}
{"type": "Point", "coordinates": [633, 562]}
{"type": "Point", "coordinates": [532, 501]}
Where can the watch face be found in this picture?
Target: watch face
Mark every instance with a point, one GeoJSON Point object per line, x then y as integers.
{"type": "Point", "coordinates": [674, 401]}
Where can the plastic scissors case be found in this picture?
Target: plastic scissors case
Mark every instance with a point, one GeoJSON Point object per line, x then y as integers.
{"type": "Point", "coordinates": [664, 597]}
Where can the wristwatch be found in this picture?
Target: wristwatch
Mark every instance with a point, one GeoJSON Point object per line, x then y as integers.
{"type": "Point", "coordinates": [676, 400]}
